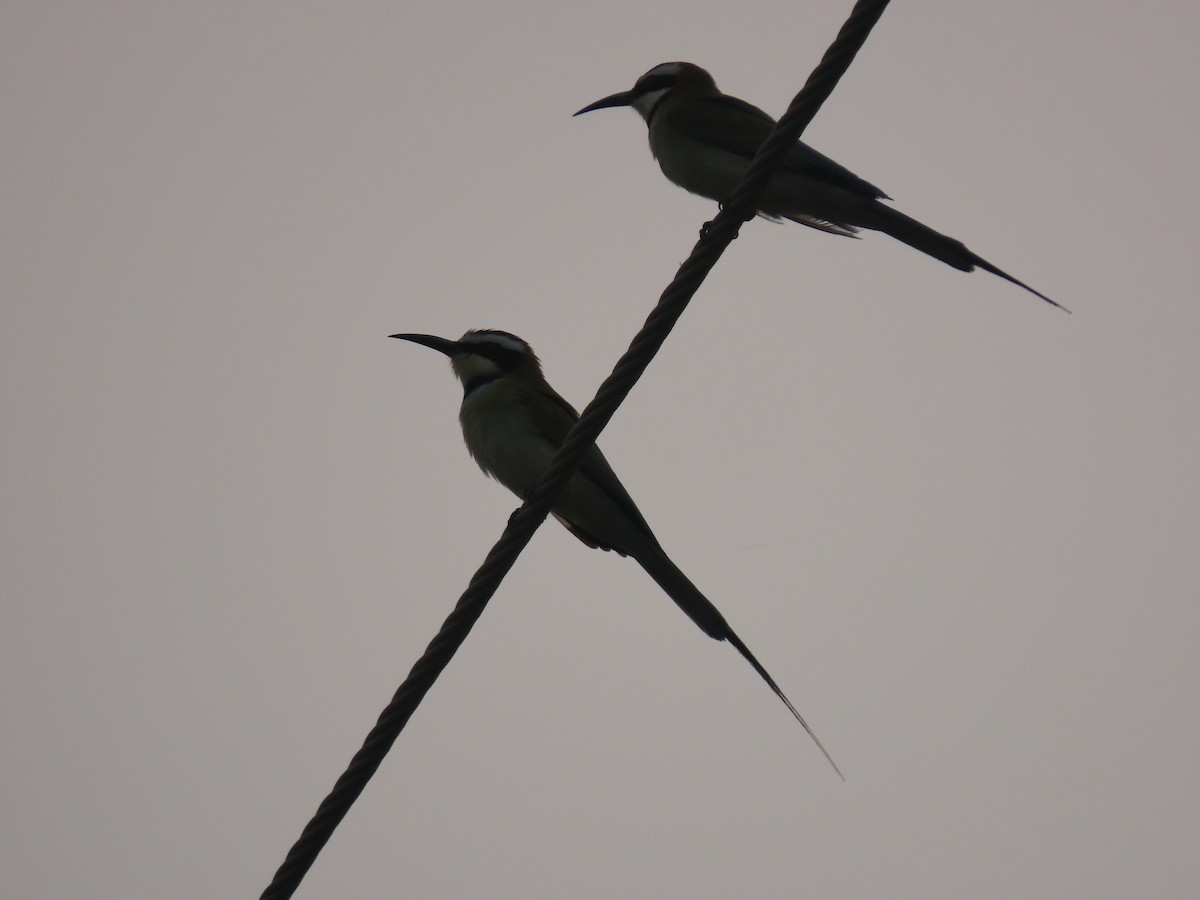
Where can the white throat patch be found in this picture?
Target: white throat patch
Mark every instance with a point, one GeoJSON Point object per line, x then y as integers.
{"type": "Point", "coordinates": [646, 102]}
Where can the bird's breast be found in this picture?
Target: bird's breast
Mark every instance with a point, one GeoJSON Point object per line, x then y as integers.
{"type": "Point", "coordinates": [703, 169]}
{"type": "Point", "coordinates": [502, 439]}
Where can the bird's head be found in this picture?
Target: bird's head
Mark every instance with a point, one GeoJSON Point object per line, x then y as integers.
{"type": "Point", "coordinates": [482, 356]}
{"type": "Point", "coordinates": [677, 79]}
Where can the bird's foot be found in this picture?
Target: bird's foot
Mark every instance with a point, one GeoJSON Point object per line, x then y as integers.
{"type": "Point", "coordinates": [704, 229]}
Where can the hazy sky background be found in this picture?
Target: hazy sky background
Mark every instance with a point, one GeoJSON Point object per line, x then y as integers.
{"type": "Point", "coordinates": [957, 525]}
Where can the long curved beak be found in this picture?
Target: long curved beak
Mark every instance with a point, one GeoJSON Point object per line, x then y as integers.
{"type": "Point", "coordinates": [625, 98]}
{"type": "Point", "coordinates": [450, 348]}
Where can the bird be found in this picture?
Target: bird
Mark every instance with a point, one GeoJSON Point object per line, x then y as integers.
{"type": "Point", "coordinates": [513, 423]}
{"type": "Point", "coordinates": [704, 141]}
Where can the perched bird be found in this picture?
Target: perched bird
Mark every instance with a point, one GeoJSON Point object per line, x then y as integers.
{"type": "Point", "coordinates": [704, 141]}
{"type": "Point", "coordinates": [513, 423]}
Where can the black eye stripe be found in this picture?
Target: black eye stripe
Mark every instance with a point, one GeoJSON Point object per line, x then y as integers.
{"type": "Point", "coordinates": [505, 357]}
{"type": "Point", "coordinates": [653, 83]}
{"type": "Point", "coordinates": [506, 350]}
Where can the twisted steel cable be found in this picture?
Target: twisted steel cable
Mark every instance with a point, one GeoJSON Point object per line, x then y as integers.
{"type": "Point", "coordinates": [719, 233]}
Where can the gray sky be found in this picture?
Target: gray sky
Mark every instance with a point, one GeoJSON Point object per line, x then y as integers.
{"type": "Point", "coordinates": [957, 525]}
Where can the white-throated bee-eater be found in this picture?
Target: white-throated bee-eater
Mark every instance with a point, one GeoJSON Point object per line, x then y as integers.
{"type": "Point", "coordinates": [704, 141]}
{"type": "Point", "coordinates": [513, 423]}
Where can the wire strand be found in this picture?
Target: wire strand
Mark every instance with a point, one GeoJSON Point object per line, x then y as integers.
{"type": "Point", "coordinates": [714, 239]}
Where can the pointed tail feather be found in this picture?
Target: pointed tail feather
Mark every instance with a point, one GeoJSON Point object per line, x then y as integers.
{"type": "Point", "coordinates": [701, 611]}
{"type": "Point", "coordinates": [988, 267]}
{"type": "Point", "coordinates": [750, 658]}
{"type": "Point", "coordinates": [947, 249]}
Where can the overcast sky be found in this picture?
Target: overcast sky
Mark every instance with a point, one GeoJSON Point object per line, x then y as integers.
{"type": "Point", "coordinates": [958, 526]}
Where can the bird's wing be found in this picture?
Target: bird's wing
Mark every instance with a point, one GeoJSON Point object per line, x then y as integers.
{"type": "Point", "coordinates": [553, 417]}
{"type": "Point", "coordinates": [740, 127]}
{"type": "Point", "coordinates": [722, 121]}
{"type": "Point", "coordinates": [804, 159]}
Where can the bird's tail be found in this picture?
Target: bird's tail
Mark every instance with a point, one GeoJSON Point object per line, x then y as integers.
{"type": "Point", "coordinates": [766, 676]}
{"type": "Point", "coordinates": [685, 594]}
{"type": "Point", "coordinates": [947, 249]}
{"type": "Point", "coordinates": [701, 611]}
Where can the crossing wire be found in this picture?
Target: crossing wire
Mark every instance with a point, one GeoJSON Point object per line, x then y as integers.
{"type": "Point", "coordinates": [716, 236]}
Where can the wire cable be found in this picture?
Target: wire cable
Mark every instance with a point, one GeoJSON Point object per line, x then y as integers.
{"type": "Point", "coordinates": [715, 237]}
